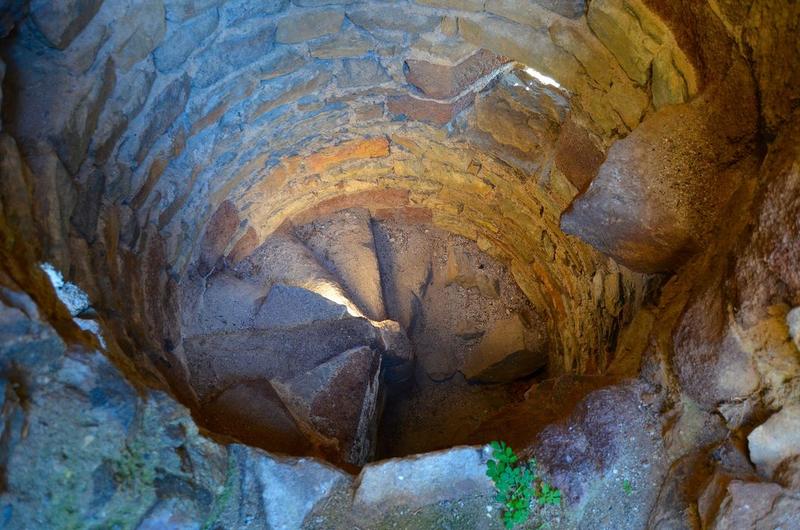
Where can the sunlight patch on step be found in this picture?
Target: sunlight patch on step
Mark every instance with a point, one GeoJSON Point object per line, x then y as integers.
{"type": "Point", "coordinates": [543, 79]}
{"type": "Point", "coordinates": [333, 294]}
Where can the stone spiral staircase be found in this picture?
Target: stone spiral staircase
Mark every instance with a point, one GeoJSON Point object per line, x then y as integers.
{"type": "Point", "coordinates": [297, 347]}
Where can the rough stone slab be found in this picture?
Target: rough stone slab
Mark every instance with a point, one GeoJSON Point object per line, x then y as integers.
{"type": "Point", "coordinates": [420, 480]}
{"type": "Point", "coordinates": [219, 230]}
{"type": "Point", "coordinates": [220, 359]}
{"type": "Point", "coordinates": [336, 403]}
{"type": "Point", "coordinates": [288, 306]}
{"type": "Point", "coordinates": [167, 106]}
{"type": "Point", "coordinates": [282, 258]}
{"type": "Point", "coordinates": [428, 111]}
{"type": "Point", "coordinates": [503, 354]}
{"type": "Point", "coordinates": [349, 43]}
{"type": "Point", "coordinates": [644, 206]}
{"type": "Point", "coordinates": [61, 21]}
{"type": "Point", "coordinates": [620, 31]}
{"type": "Point", "coordinates": [775, 440]}
{"type": "Point", "coordinates": [254, 413]}
{"type": "Point", "coordinates": [147, 28]}
{"type": "Point", "coordinates": [307, 25]}
{"type": "Point", "coordinates": [291, 488]}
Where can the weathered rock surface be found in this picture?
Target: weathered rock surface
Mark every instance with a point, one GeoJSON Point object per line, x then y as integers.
{"type": "Point", "coordinates": [131, 460]}
{"type": "Point", "coordinates": [636, 212]}
{"type": "Point", "coordinates": [309, 25]}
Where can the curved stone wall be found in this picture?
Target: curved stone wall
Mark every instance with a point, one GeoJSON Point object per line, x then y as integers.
{"type": "Point", "coordinates": [633, 162]}
{"type": "Point", "coordinates": [141, 119]}
{"type": "Point", "coordinates": [139, 122]}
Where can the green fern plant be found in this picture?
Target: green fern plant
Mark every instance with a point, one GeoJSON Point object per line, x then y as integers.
{"type": "Point", "coordinates": [517, 484]}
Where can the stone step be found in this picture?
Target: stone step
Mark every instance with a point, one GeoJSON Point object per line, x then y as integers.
{"type": "Point", "coordinates": [218, 360]}
{"type": "Point", "coordinates": [344, 243]}
{"type": "Point", "coordinates": [336, 404]}
{"type": "Point", "coordinates": [223, 302]}
{"type": "Point", "coordinates": [288, 306]}
{"type": "Point", "coordinates": [253, 413]}
{"type": "Point", "coordinates": [283, 259]}
{"type": "Point", "coordinates": [405, 273]}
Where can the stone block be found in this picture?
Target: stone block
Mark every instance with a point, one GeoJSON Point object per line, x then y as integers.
{"type": "Point", "coordinates": [72, 141]}
{"type": "Point", "coordinates": [146, 26]}
{"type": "Point", "coordinates": [757, 505]}
{"type": "Point", "coordinates": [60, 22]}
{"type": "Point", "coordinates": [293, 487]}
{"type": "Point", "coordinates": [361, 73]}
{"type": "Point", "coordinates": [180, 10]}
{"type": "Point", "coordinates": [308, 25]}
{"type": "Point", "coordinates": [219, 230]}
{"type": "Point", "coordinates": [775, 440]}
{"type": "Point", "coordinates": [620, 30]}
{"type": "Point", "coordinates": [244, 246]}
{"type": "Point", "coordinates": [391, 17]}
{"type": "Point", "coordinates": [349, 43]}
{"type": "Point", "coordinates": [182, 40]}
{"type": "Point", "coordinates": [442, 81]}
{"type": "Point", "coordinates": [163, 112]}
{"type": "Point", "coordinates": [427, 111]}
{"type": "Point", "coordinates": [343, 242]}
{"type": "Point", "coordinates": [253, 412]}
